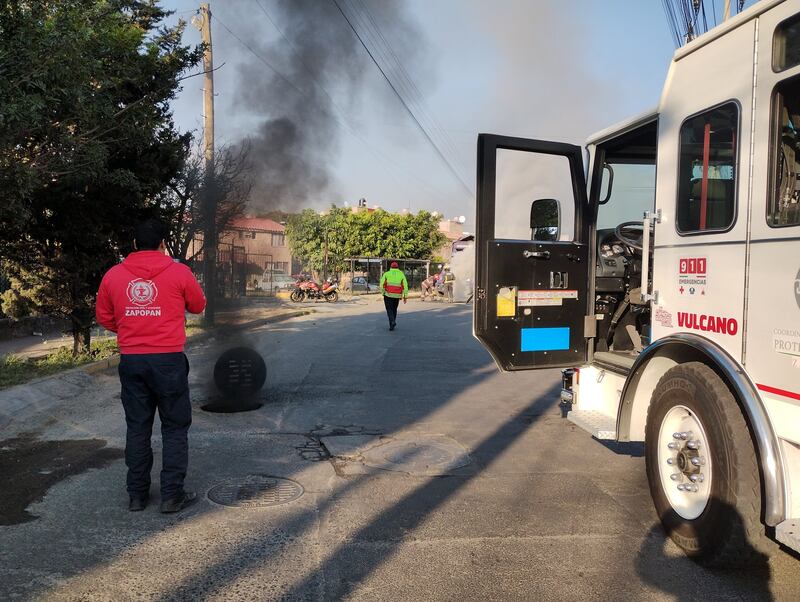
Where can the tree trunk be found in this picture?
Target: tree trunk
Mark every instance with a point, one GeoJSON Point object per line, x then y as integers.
{"type": "Point", "coordinates": [82, 318]}
{"type": "Point", "coordinates": [81, 339]}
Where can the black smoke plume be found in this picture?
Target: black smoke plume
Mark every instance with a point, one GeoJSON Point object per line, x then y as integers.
{"type": "Point", "coordinates": [309, 105]}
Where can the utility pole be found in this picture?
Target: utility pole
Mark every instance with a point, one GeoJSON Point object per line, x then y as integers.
{"type": "Point", "coordinates": [209, 200]}
{"type": "Point", "coordinates": [726, 13]}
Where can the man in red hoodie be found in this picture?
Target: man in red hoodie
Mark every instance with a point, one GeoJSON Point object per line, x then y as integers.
{"type": "Point", "coordinates": [143, 300]}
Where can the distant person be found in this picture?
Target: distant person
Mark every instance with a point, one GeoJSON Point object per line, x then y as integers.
{"type": "Point", "coordinates": [394, 287]}
{"type": "Point", "coordinates": [449, 280]}
{"type": "Point", "coordinates": [427, 286]}
{"type": "Point", "coordinates": [143, 300]}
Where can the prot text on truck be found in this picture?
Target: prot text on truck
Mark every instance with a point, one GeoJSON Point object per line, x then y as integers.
{"type": "Point", "coordinates": [660, 265]}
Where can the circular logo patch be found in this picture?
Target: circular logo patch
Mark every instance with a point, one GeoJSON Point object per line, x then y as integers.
{"type": "Point", "coordinates": [142, 292]}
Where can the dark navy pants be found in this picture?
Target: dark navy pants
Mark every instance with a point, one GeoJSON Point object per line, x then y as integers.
{"type": "Point", "coordinates": [391, 304]}
{"type": "Point", "coordinates": [150, 382]}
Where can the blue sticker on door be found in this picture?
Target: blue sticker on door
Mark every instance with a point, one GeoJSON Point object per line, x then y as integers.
{"type": "Point", "coordinates": [544, 339]}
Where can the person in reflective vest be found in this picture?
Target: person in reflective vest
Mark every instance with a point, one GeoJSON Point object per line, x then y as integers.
{"type": "Point", "coordinates": [394, 287]}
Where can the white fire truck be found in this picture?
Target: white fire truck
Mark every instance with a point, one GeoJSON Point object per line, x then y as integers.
{"type": "Point", "coordinates": [669, 283]}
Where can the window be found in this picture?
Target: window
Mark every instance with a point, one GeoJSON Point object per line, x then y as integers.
{"type": "Point", "coordinates": [786, 45]}
{"type": "Point", "coordinates": [523, 177]}
{"type": "Point", "coordinates": [632, 193]}
{"type": "Point", "coordinates": [629, 167]}
{"type": "Point", "coordinates": [278, 239]}
{"type": "Point", "coordinates": [707, 171]}
{"type": "Point", "coordinates": [784, 201]}
{"type": "Point", "coordinates": [278, 267]}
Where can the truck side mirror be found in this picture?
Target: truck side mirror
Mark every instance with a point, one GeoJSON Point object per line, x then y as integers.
{"type": "Point", "coordinates": [545, 219]}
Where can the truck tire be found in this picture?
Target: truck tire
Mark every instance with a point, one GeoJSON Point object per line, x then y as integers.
{"type": "Point", "coordinates": [702, 469]}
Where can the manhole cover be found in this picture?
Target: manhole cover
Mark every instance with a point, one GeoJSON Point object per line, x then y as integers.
{"type": "Point", "coordinates": [432, 455]}
{"type": "Point", "coordinates": [423, 455]}
{"type": "Point", "coordinates": [255, 491]}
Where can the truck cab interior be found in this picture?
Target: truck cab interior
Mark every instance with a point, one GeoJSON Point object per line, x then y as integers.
{"type": "Point", "coordinates": [623, 189]}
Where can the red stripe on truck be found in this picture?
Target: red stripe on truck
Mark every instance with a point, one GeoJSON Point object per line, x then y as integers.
{"type": "Point", "coordinates": [776, 391]}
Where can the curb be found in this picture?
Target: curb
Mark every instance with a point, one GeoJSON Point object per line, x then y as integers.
{"type": "Point", "coordinates": [27, 399]}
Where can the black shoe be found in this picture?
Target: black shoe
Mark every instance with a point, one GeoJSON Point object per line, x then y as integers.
{"type": "Point", "coordinates": [138, 503]}
{"type": "Point", "coordinates": [391, 326]}
{"type": "Point", "coordinates": [179, 502]}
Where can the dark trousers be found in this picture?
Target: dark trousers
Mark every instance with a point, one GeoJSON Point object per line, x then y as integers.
{"type": "Point", "coordinates": [153, 381]}
{"type": "Point", "coordinates": [391, 308]}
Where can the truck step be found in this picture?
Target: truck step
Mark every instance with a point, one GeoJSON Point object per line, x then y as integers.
{"type": "Point", "coordinates": [788, 533]}
{"type": "Point", "coordinates": [599, 425]}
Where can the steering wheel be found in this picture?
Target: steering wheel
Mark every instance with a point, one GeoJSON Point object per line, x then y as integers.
{"type": "Point", "coordinates": [631, 234]}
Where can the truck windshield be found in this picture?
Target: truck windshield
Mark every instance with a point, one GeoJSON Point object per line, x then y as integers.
{"type": "Point", "coordinates": [632, 193]}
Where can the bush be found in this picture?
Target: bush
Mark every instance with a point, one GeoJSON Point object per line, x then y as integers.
{"type": "Point", "coordinates": [14, 305]}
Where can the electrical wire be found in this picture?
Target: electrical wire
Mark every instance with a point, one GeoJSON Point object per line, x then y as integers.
{"type": "Point", "coordinates": [403, 101]}
{"type": "Point", "coordinates": [433, 124]}
{"type": "Point", "coordinates": [413, 96]}
{"type": "Point", "coordinates": [429, 188]}
{"type": "Point", "coordinates": [341, 122]}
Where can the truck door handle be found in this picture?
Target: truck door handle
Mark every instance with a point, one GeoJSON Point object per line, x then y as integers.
{"type": "Point", "coordinates": [537, 254]}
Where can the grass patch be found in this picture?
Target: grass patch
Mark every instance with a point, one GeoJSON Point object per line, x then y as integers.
{"type": "Point", "coordinates": [15, 370]}
{"type": "Point", "coordinates": [193, 328]}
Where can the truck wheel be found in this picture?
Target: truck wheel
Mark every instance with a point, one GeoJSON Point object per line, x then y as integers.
{"type": "Point", "coordinates": [702, 468]}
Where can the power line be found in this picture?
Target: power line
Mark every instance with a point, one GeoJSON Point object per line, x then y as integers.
{"type": "Point", "coordinates": [393, 59]}
{"type": "Point", "coordinates": [321, 86]}
{"type": "Point", "coordinates": [341, 122]}
{"type": "Point", "coordinates": [403, 101]}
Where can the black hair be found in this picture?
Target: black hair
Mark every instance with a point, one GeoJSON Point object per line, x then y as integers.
{"type": "Point", "coordinates": [149, 234]}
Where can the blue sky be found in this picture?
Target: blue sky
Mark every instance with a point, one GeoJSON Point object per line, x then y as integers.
{"type": "Point", "coordinates": [540, 69]}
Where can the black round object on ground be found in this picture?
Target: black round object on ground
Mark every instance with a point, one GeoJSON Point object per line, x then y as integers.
{"type": "Point", "coordinates": [240, 371]}
{"type": "Point", "coordinates": [239, 374]}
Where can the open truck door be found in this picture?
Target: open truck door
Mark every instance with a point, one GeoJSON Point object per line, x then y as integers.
{"type": "Point", "coordinates": [532, 257]}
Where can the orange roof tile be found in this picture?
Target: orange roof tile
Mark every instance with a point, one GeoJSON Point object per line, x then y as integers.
{"type": "Point", "coordinates": [258, 224]}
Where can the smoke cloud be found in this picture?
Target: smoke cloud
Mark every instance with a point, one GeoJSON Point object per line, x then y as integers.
{"type": "Point", "coordinates": [301, 112]}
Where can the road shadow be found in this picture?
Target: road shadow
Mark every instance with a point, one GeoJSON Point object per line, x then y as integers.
{"type": "Point", "coordinates": [441, 349]}
{"type": "Point", "coordinates": [391, 526]}
{"type": "Point", "coordinates": [665, 566]}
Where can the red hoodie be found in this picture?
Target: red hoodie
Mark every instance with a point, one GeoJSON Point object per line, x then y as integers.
{"type": "Point", "coordinates": [143, 300]}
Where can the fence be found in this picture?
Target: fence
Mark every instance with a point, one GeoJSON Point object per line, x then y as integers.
{"type": "Point", "coordinates": [239, 274]}
{"type": "Point", "coordinates": [365, 273]}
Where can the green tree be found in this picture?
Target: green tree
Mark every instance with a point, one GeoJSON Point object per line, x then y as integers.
{"type": "Point", "coordinates": [364, 234]}
{"type": "Point", "coordinates": [87, 141]}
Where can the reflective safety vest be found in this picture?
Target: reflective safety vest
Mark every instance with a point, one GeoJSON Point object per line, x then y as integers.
{"type": "Point", "coordinates": [394, 284]}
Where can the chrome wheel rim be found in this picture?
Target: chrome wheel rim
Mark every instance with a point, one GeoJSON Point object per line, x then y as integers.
{"type": "Point", "coordinates": [684, 462]}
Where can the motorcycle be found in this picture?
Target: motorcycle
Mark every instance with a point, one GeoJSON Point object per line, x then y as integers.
{"type": "Point", "coordinates": [308, 289]}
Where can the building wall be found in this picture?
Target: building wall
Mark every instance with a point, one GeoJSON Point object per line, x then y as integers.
{"type": "Point", "coordinates": [256, 242]}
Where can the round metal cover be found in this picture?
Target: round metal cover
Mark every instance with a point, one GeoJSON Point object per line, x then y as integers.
{"type": "Point", "coordinates": [240, 371]}
{"type": "Point", "coordinates": [429, 455]}
{"type": "Point", "coordinates": [255, 491]}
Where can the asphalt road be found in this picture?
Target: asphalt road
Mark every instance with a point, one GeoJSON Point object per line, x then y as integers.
{"type": "Point", "coordinates": [425, 475]}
